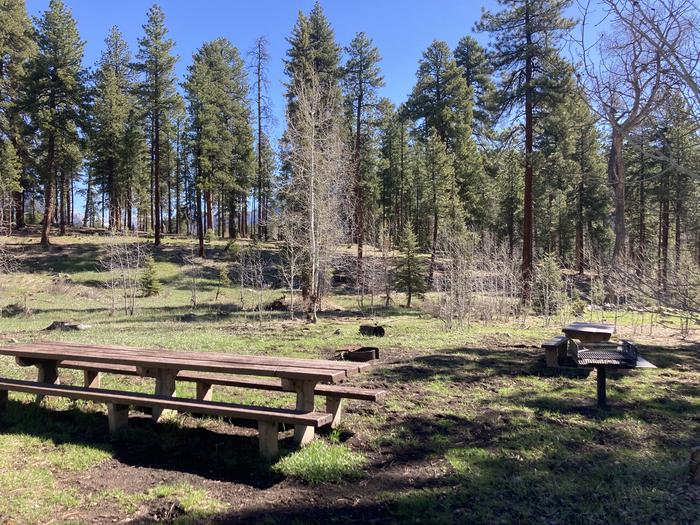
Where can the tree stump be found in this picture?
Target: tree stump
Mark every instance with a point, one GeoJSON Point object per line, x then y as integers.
{"type": "Point", "coordinates": [372, 330]}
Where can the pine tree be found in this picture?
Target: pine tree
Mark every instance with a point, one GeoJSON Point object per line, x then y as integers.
{"type": "Point", "coordinates": [10, 171]}
{"type": "Point", "coordinates": [526, 33]}
{"type": "Point", "coordinates": [17, 46]}
{"type": "Point", "coordinates": [410, 272]}
{"type": "Point", "coordinates": [150, 284]}
{"type": "Point", "coordinates": [113, 104]}
{"type": "Point", "coordinates": [156, 64]}
{"type": "Point", "coordinates": [444, 200]}
{"type": "Point", "coordinates": [55, 97]}
{"type": "Point", "coordinates": [222, 138]}
{"type": "Point", "coordinates": [361, 80]}
{"type": "Point", "coordinates": [477, 72]}
{"type": "Point", "coordinates": [313, 53]}
{"type": "Point", "coordinates": [441, 100]}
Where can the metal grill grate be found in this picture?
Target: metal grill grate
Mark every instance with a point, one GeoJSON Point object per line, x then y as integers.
{"type": "Point", "coordinates": [623, 355]}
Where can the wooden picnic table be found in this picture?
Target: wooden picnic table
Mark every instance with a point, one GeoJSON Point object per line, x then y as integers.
{"type": "Point", "coordinates": [589, 332]}
{"type": "Point", "coordinates": [298, 375]}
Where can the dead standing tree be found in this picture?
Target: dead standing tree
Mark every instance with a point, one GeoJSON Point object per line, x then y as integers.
{"type": "Point", "coordinates": [624, 86]}
{"type": "Point", "coordinates": [317, 190]}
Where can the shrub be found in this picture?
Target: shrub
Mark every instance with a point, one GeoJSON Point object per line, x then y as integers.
{"type": "Point", "coordinates": [548, 297]}
{"type": "Point", "coordinates": [150, 285]}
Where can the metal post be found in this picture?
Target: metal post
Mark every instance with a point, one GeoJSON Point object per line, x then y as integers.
{"type": "Point", "coordinates": [600, 377]}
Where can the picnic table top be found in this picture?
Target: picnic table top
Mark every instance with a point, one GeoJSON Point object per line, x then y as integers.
{"type": "Point", "coordinates": [319, 370]}
{"type": "Point", "coordinates": [589, 332]}
{"type": "Point", "coordinates": [590, 328]}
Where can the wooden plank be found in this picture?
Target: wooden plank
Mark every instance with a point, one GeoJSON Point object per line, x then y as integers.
{"type": "Point", "coordinates": [159, 362]}
{"type": "Point", "coordinates": [555, 342]}
{"type": "Point", "coordinates": [342, 391]}
{"type": "Point", "coordinates": [325, 364]}
{"type": "Point", "coordinates": [150, 359]}
{"type": "Point", "coordinates": [589, 332]}
{"type": "Point", "coordinates": [280, 415]}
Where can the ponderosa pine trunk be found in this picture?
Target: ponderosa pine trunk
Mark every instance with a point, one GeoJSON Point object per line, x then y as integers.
{"type": "Point", "coordinates": [49, 192]}
{"type": "Point", "coordinates": [18, 197]}
{"type": "Point", "coordinates": [200, 226]}
{"type": "Point", "coordinates": [156, 176]}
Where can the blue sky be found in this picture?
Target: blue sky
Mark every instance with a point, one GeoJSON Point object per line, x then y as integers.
{"type": "Point", "coordinates": [400, 29]}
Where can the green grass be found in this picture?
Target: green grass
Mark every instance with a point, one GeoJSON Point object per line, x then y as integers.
{"type": "Point", "coordinates": [320, 462]}
{"type": "Point", "coordinates": [475, 429]}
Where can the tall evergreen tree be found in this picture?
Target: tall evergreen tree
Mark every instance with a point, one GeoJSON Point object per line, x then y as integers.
{"type": "Point", "coordinates": [441, 100]}
{"type": "Point", "coordinates": [17, 46]}
{"type": "Point", "coordinates": [526, 34]}
{"type": "Point", "coordinates": [55, 97]}
{"type": "Point", "coordinates": [410, 273]}
{"type": "Point", "coordinates": [361, 80]}
{"type": "Point", "coordinates": [477, 71]}
{"type": "Point", "coordinates": [156, 64]}
{"type": "Point", "coordinates": [313, 53]}
{"type": "Point", "coordinates": [113, 104]}
{"type": "Point", "coordinates": [222, 139]}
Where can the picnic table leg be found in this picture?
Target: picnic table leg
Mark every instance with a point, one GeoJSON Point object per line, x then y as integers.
{"type": "Point", "coordinates": [92, 378]}
{"type": "Point", "coordinates": [165, 386]}
{"type": "Point", "coordinates": [334, 406]}
{"type": "Point", "coordinates": [204, 391]}
{"type": "Point", "coordinates": [600, 379]}
{"type": "Point", "coordinates": [117, 416]}
{"type": "Point", "coordinates": [268, 439]}
{"type": "Point", "coordinates": [47, 373]}
{"type": "Point", "coordinates": [303, 434]}
{"type": "Point", "coordinates": [3, 400]}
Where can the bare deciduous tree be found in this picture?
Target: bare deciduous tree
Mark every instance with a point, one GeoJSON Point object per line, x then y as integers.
{"type": "Point", "coordinates": [250, 267]}
{"type": "Point", "coordinates": [291, 254]}
{"type": "Point", "coordinates": [624, 85]}
{"type": "Point", "coordinates": [454, 282]}
{"type": "Point", "coordinates": [123, 260]}
{"type": "Point", "coordinates": [317, 190]}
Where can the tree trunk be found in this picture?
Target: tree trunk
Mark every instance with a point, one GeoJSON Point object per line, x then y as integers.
{"type": "Point", "coordinates": [49, 192]}
{"type": "Point", "coordinates": [642, 234]}
{"type": "Point", "coordinates": [528, 222]}
{"type": "Point", "coordinates": [616, 179]}
{"type": "Point", "coordinates": [579, 229]}
{"type": "Point", "coordinates": [156, 178]}
{"type": "Point", "coordinates": [664, 226]}
{"type": "Point", "coordinates": [18, 197]}
{"type": "Point", "coordinates": [232, 216]}
{"type": "Point", "coordinates": [200, 226]}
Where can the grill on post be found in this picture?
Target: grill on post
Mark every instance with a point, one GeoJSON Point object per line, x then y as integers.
{"type": "Point", "coordinates": [603, 356]}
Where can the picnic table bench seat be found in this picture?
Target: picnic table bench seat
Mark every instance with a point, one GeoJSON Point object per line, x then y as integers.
{"type": "Point", "coordinates": [118, 403]}
{"type": "Point", "coordinates": [334, 394]}
{"type": "Point", "coordinates": [555, 349]}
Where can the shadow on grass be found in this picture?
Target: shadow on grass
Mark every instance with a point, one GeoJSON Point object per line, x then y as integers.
{"type": "Point", "coordinates": [165, 445]}
{"type": "Point", "coordinates": [474, 365]}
